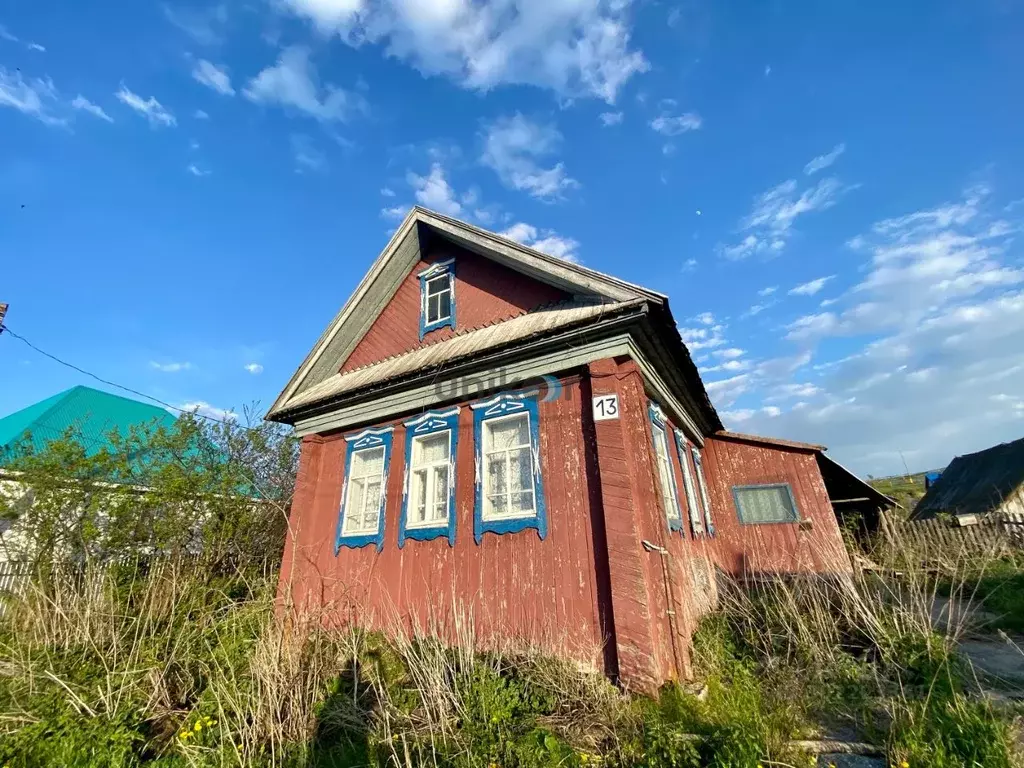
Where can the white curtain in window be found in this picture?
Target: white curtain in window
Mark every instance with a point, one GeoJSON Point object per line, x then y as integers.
{"type": "Point", "coordinates": [691, 496]}
{"type": "Point", "coordinates": [366, 474]}
{"type": "Point", "coordinates": [768, 504]}
{"type": "Point", "coordinates": [431, 456]}
{"type": "Point", "coordinates": [508, 460]}
{"type": "Point", "coordinates": [666, 479]}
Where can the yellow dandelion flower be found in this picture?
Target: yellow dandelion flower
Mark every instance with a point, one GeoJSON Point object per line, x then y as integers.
{"type": "Point", "coordinates": [199, 726]}
{"type": "Point", "coordinates": [904, 764]}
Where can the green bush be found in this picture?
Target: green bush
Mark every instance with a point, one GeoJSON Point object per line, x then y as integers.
{"type": "Point", "coordinates": [950, 732]}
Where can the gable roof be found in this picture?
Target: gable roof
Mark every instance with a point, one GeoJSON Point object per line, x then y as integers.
{"type": "Point", "coordinates": [91, 412]}
{"type": "Point", "coordinates": [392, 265]}
{"type": "Point", "coordinates": [777, 442]}
{"type": "Point", "coordinates": [976, 483]}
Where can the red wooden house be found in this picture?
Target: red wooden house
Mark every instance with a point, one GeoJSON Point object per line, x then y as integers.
{"type": "Point", "coordinates": [497, 436]}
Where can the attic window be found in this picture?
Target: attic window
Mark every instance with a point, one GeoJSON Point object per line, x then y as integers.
{"type": "Point", "coordinates": [437, 297]}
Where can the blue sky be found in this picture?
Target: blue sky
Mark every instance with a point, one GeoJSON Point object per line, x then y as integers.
{"type": "Point", "coordinates": [831, 194]}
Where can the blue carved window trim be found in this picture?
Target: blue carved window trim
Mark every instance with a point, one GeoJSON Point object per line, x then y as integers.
{"type": "Point", "coordinates": [495, 408]}
{"type": "Point", "coordinates": [365, 440]}
{"type": "Point", "coordinates": [441, 268]}
{"type": "Point", "coordinates": [693, 504]}
{"type": "Point", "coordinates": [428, 424]}
{"type": "Point", "coordinates": [660, 426]}
{"type": "Point", "coordinates": [702, 486]}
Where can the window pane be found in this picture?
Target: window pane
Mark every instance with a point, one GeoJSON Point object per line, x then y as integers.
{"type": "Point", "coordinates": [367, 462]}
{"type": "Point", "coordinates": [522, 503]}
{"type": "Point", "coordinates": [354, 508]}
{"type": "Point", "coordinates": [444, 305]}
{"type": "Point", "coordinates": [371, 507]}
{"type": "Point", "coordinates": [521, 461]}
{"type": "Point", "coordinates": [433, 309]}
{"type": "Point", "coordinates": [418, 500]}
{"type": "Point", "coordinates": [768, 504]}
{"type": "Point", "coordinates": [436, 285]}
{"type": "Point", "coordinates": [499, 505]}
{"type": "Point", "coordinates": [509, 433]}
{"type": "Point", "coordinates": [665, 477]}
{"type": "Point", "coordinates": [430, 449]}
{"type": "Point", "coordinates": [497, 482]}
{"type": "Point", "coordinates": [440, 501]}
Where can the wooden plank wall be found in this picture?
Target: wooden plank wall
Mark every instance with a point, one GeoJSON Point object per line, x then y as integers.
{"type": "Point", "coordinates": [513, 588]}
{"type": "Point", "coordinates": [745, 550]}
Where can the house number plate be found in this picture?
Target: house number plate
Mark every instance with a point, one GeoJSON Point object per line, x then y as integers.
{"type": "Point", "coordinates": [606, 407]}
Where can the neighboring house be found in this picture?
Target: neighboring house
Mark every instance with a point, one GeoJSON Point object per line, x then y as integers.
{"type": "Point", "coordinates": [976, 485]}
{"type": "Point", "coordinates": [91, 415]}
{"type": "Point", "coordinates": [497, 437]}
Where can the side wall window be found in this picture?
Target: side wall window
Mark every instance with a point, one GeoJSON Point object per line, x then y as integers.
{"type": "Point", "coordinates": [428, 502]}
{"type": "Point", "coordinates": [509, 491]}
{"type": "Point", "coordinates": [702, 483]}
{"type": "Point", "coordinates": [437, 297]}
{"type": "Point", "coordinates": [663, 463]}
{"type": "Point", "coordinates": [770, 503]}
{"type": "Point", "coordinates": [692, 501]}
{"type": "Point", "coordinates": [364, 493]}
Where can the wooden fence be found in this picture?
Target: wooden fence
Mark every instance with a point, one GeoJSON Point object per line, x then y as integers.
{"type": "Point", "coordinates": [949, 540]}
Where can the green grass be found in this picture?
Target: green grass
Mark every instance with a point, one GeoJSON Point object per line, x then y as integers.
{"type": "Point", "coordinates": [907, 490]}
{"type": "Point", "coordinates": [997, 586]}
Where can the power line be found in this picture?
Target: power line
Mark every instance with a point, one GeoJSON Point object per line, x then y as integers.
{"type": "Point", "coordinates": [7, 329]}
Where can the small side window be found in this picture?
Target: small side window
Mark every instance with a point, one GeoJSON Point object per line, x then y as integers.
{"type": "Point", "coordinates": [692, 503]}
{"type": "Point", "coordinates": [765, 503]}
{"type": "Point", "coordinates": [702, 483]}
{"type": "Point", "coordinates": [363, 496]}
{"type": "Point", "coordinates": [437, 297]}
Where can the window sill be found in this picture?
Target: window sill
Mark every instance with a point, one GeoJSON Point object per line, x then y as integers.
{"type": "Point", "coordinates": [427, 533]}
{"type": "Point", "coordinates": [511, 525]}
{"type": "Point", "coordinates": [357, 541]}
{"type": "Point", "coordinates": [446, 323]}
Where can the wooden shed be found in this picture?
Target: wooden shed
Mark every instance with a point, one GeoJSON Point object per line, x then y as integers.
{"type": "Point", "coordinates": [499, 439]}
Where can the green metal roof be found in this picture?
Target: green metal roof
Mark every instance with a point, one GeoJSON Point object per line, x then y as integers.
{"type": "Point", "coordinates": [92, 413]}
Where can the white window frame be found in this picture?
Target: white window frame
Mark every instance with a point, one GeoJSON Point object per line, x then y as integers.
{"type": "Point", "coordinates": [431, 479]}
{"type": "Point", "coordinates": [692, 502]}
{"type": "Point", "coordinates": [346, 528]}
{"type": "Point", "coordinates": [487, 514]}
{"type": "Point", "coordinates": [446, 277]}
{"type": "Point", "coordinates": [670, 495]}
{"type": "Point", "coordinates": [698, 463]}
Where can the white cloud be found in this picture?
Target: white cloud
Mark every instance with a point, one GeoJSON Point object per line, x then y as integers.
{"type": "Point", "coordinates": [30, 96]}
{"type": "Point", "coordinates": [82, 103]}
{"type": "Point", "coordinates": [211, 76]}
{"type": "Point", "coordinates": [254, 368]}
{"type": "Point", "coordinates": [705, 337]}
{"type": "Point", "coordinates": [387, 192]}
{"type": "Point", "coordinates": [307, 157]}
{"type": "Point", "coordinates": [6, 34]}
{"type": "Point", "coordinates": [200, 114]}
{"type": "Point", "coordinates": [205, 26]}
{"type": "Point", "coordinates": [433, 191]}
{"type": "Point", "coordinates": [396, 212]}
{"type": "Point", "coordinates": [770, 223]}
{"type": "Point", "coordinates": [545, 241]}
{"type": "Point", "coordinates": [811, 287]}
{"type": "Point", "coordinates": [170, 367]}
{"type": "Point", "coordinates": [611, 118]}
{"type": "Point", "coordinates": [705, 318]}
{"type": "Point", "coordinates": [689, 265]}
{"type": "Point", "coordinates": [203, 408]}
{"type": "Point", "coordinates": [668, 125]}
{"type": "Point", "coordinates": [195, 170]}
{"type": "Point", "coordinates": [513, 148]}
{"type": "Point", "coordinates": [729, 354]}
{"type": "Point", "coordinates": [36, 47]}
{"type": "Point", "coordinates": [149, 108]}
{"type": "Point", "coordinates": [574, 47]}
{"type": "Point", "coordinates": [821, 162]}
{"type": "Point", "coordinates": [292, 83]}
{"type": "Point", "coordinates": [940, 310]}
{"type": "Point", "coordinates": [768, 291]}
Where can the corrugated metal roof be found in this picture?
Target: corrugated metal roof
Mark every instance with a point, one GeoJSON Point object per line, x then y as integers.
{"type": "Point", "coordinates": [464, 345]}
{"type": "Point", "coordinates": [976, 483]}
{"type": "Point", "coordinates": [93, 414]}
